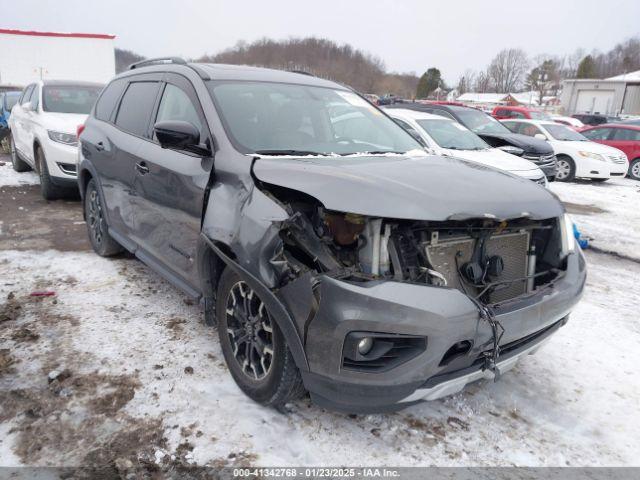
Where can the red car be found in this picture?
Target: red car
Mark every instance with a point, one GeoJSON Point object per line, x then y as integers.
{"type": "Point", "coordinates": [624, 137]}
{"type": "Point", "coordinates": [502, 113]}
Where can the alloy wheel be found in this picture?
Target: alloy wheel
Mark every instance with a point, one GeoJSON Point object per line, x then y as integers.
{"type": "Point", "coordinates": [635, 170]}
{"type": "Point", "coordinates": [250, 331]}
{"type": "Point", "coordinates": [94, 216]}
{"type": "Point", "coordinates": [564, 169]}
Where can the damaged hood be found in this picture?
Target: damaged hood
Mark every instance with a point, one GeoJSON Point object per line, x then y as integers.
{"type": "Point", "coordinates": [413, 188]}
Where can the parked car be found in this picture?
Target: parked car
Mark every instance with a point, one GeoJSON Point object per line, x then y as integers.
{"type": "Point", "coordinates": [577, 156]}
{"type": "Point", "coordinates": [623, 136]}
{"type": "Point", "coordinates": [595, 118]}
{"type": "Point", "coordinates": [631, 121]}
{"type": "Point", "coordinates": [446, 137]}
{"type": "Point", "coordinates": [43, 128]}
{"type": "Point", "coordinates": [338, 259]}
{"type": "Point", "coordinates": [568, 121]}
{"type": "Point", "coordinates": [7, 100]}
{"type": "Point", "coordinates": [519, 112]}
{"type": "Point", "coordinates": [495, 134]}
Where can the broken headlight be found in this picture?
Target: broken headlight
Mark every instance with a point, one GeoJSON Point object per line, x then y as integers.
{"type": "Point", "coordinates": [566, 234]}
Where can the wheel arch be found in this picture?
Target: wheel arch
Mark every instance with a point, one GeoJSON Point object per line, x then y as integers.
{"type": "Point", "coordinates": [214, 257]}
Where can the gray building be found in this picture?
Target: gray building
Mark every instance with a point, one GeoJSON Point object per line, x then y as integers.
{"type": "Point", "coordinates": [611, 96]}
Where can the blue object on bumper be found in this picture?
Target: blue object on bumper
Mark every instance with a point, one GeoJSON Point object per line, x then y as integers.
{"type": "Point", "coordinates": [583, 242]}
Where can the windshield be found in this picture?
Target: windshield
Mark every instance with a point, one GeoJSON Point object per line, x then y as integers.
{"type": "Point", "coordinates": [448, 134]}
{"type": "Point", "coordinates": [69, 98]}
{"type": "Point", "coordinates": [480, 122]}
{"type": "Point", "coordinates": [284, 119]}
{"type": "Point", "coordinates": [535, 115]}
{"type": "Point", "coordinates": [10, 99]}
{"type": "Point", "coordinates": [563, 133]}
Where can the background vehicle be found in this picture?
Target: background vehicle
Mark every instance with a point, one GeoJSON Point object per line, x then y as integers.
{"type": "Point", "coordinates": [632, 121]}
{"type": "Point", "coordinates": [495, 134]}
{"type": "Point", "coordinates": [519, 112]}
{"type": "Point", "coordinates": [623, 136]}
{"type": "Point", "coordinates": [577, 156]}
{"type": "Point", "coordinates": [43, 132]}
{"type": "Point", "coordinates": [300, 239]}
{"type": "Point", "coordinates": [7, 100]}
{"type": "Point", "coordinates": [449, 138]}
{"type": "Point", "coordinates": [568, 121]}
{"type": "Point", "coordinates": [595, 118]}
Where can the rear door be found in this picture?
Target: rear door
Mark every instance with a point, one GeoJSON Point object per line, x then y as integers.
{"type": "Point", "coordinates": [627, 140]}
{"type": "Point", "coordinates": [19, 116]}
{"type": "Point", "coordinates": [119, 149]}
{"type": "Point", "coordinates": [170, 187]}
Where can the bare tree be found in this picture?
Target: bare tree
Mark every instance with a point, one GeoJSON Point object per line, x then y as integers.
{"type": "Point", "coordinates": [508, 69]}
{"type": "Point", "coordinates": [466, 82]}
{"type": "Point", "coordinates": [483, 83]}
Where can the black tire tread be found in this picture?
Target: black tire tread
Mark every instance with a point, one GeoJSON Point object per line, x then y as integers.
{"type": "Point", "coordinates": [17, 163]}
{"type": "Point", "coordinates": [49, 190]}
{"type": "Point", "coordinates": [109, 246]}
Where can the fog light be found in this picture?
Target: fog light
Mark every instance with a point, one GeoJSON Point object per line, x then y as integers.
{"type": "Point", "coordinates": [365, 345]}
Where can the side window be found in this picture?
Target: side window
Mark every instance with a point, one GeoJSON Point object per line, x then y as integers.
{"type": "Point", "coordinates": [26, 95]}
{"type": "Point", "coordinates": [176, 105]}
{"type": "Point", "coordinates": [107, 101]}
{"type": "Point", "coordinates": [444, 113]}
{"type": "Point", "coordinates": [597, 133]}
{"type": "Point", "coordinates": [136, 107]}
{"type": "Point", "coordinates": [513, 126]}
{"type": "Point", "coordinates": [626, 135]}
{"type": "Point", "coordinates": [35, 97]}
{"type": "Point", "coordinates": [529, 130]}
{"type": "Point", "coordinates": [515, 114]}
{"type": "Point", "coordinates": [502, 113]}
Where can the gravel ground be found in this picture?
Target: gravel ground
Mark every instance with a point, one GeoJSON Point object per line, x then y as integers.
{"type": "Point", "coordinates": [118, 368]}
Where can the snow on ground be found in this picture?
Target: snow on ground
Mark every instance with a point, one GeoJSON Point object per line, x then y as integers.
{"type": "Point", "coordinates": [122, 330]}
{"type": "Point", "coordinates": [10, 178]}
{"type": "Point", "coordinates": [607, 212]}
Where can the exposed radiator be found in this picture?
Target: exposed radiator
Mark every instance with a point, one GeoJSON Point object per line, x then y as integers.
{"type": "Point", "coordinates": [512, 247]}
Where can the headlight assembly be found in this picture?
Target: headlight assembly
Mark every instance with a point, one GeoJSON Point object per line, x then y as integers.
{"type": "Point", "coordinates": [593, 156]}
{"type": "Point", "coordinates": [61, 137]}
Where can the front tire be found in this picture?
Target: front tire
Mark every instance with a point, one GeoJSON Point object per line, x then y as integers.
{"type": "Point", "coordinates": [49, 190]}
{"type": "Point", "coordinates": [634, 169]}
{"type": "Point", "coordinates": [103, 244]}
{"type": "Point", "coordinates": [18, 164]}
{"type": "Point", "coordinates": [566, 169]}
{"type": "Point", "coordinates": [253, 346]}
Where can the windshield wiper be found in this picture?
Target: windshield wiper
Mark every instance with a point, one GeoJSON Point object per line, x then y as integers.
{"type": "Point", "coordinates": [287, 152]}
{"type": "Point", "coordinates": [378, 152]}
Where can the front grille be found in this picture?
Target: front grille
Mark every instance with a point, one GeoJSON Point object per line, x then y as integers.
{"type": "Point", "coordinates": [512, 247]}
{"type": "Point", "coordinates": [619, 159]}
{"type": "Point", "coordinates": [542, 160]}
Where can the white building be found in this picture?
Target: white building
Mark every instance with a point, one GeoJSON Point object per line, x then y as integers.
{"type": "Point", "coordinates": [26, 56]}
{"type": "Point", "coordinates": [611, 96]}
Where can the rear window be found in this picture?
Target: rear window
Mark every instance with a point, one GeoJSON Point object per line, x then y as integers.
{"type": "Point", "coordinates": [107, 101]}
{"type": "Point", "coordinates": [136, 107]}
{"type": "Point", "coordinates": [69, 98]}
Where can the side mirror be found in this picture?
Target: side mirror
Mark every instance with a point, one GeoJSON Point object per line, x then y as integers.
{"type": "Point", "coordinates": [177, 134]}
{"type": "Point", "coordinates": [540, 136]}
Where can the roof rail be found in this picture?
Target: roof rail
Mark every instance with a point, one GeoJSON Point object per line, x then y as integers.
{"type": "Point", "coordinates": [158, 60]}
{"type": "Point", "coordinates": [302, 72]}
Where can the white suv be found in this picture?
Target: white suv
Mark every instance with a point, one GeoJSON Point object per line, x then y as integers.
{"type": "Point", "coordinates": [43, 128]}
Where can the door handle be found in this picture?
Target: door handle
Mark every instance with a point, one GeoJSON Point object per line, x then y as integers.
{"type": "Point", "coordinates": [142, 168]}
{"type": "Point", "coordinates": [99, 146]}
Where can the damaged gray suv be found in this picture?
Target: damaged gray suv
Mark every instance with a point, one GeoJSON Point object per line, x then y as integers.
{"type": "Point", "coordinates": [333, 255]}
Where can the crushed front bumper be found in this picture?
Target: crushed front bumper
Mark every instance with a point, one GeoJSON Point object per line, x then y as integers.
{"type": "Point", "coordinates": [443, 316]}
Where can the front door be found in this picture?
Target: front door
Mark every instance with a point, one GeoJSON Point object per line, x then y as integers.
{"type": "Point", "coordinates": [170, 186]}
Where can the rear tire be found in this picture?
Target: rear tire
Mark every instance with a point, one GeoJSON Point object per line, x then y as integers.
{"type": "Point", "coordinates": [634, 169]}
{"type": "Point", "coordinates": [566, 169]}
{"type": "Point", "coordinates": [49, 190]}
{"type": "Point", "coordinates": [103, 244]}
{"type": "Point", "coordinates": [254, 348]}
{"type": "Point", "coordinates": [18, 164]}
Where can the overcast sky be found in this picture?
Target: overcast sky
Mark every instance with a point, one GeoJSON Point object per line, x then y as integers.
{"type": "Point", "coordinates": [408, 35]}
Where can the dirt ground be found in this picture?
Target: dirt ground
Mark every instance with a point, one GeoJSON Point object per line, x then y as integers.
{"type": "Point", "coordinates": [104, 365]}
